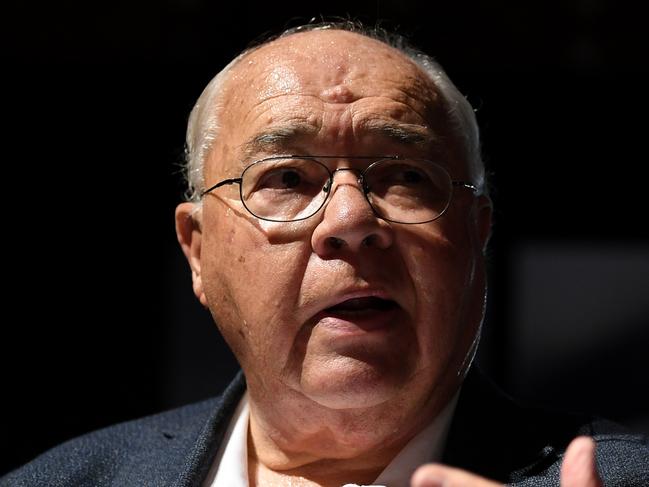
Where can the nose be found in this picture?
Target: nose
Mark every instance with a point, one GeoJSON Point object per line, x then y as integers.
{"type": "Point", "coordinates": [348, 222]}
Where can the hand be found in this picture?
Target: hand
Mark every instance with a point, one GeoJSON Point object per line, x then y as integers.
{"type": "Point", "coordinates": [578, 470]}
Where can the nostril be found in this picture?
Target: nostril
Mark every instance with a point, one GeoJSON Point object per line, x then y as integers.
{"type": "Point", "coordinates": [335, 242]}
{"type": "Point", "coordinates": [369, 241]}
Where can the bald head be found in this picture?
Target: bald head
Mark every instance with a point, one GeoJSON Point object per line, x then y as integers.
{"type": "Point", "coordinates": [333, 56]}
{"type": "Point", "coordinates": [334, 66]}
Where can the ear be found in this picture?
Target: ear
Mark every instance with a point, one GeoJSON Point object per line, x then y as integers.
{"type": "Point", "coordinates": [189, 233]}
{"type": "Point", "coordinates": [483, 219]}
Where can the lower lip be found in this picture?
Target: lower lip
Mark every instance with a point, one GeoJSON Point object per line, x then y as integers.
{"type": "Point", "coordinates": [361, 324]}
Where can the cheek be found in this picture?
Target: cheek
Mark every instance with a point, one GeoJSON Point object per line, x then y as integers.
{"type": "Point", "coordinates": [251, 285]}
{"type": "Point", "coordinates": [441, 272]}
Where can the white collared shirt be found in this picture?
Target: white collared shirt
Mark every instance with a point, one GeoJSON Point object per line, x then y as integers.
{"type": "Point", "coordinates": [230, 467]}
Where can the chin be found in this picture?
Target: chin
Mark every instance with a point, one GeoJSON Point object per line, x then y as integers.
{"type": "Point", "coordinates": [350, 384]}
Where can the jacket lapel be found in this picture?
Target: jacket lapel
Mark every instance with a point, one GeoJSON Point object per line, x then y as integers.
{"type": "Point", "coordinates": [207, 444]}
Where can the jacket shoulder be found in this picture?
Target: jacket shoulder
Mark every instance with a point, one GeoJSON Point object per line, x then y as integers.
{"type": "Point", "coordinates": [152, 450]}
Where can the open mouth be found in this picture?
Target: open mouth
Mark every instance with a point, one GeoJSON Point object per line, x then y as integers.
{"type": "Point", "coordinates": [361, 306]}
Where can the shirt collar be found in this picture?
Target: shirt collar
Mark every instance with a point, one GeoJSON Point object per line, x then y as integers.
{"type": "Point", "coordinates": [230, 466]}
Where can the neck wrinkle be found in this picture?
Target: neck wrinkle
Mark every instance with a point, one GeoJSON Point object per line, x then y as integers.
{"type": "Point", "coordinates": [382, 467]}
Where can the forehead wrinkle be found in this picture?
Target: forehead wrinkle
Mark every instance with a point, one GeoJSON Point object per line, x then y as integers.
{"type": "Point", "coordinates": [290, 110]}
{"type": "Point", "coordinates": [418, 95]}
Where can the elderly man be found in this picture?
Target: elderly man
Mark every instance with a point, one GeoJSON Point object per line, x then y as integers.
{"type": "Point", "coordinates": [335, 230]}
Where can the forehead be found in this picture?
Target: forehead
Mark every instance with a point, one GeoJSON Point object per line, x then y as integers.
{"type": "Point", "coordinates": [333, 83]}
{"type": "Point", "coordinates": [336, 65]}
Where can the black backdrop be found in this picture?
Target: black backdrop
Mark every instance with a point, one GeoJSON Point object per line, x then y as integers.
{"type": "Point", "coordinates": [99, 321]}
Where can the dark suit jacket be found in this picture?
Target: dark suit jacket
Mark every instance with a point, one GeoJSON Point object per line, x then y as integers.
{"type": "Point", "coordinates": [490, 435]}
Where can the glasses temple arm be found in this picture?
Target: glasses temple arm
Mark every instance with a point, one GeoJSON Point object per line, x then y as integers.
{"type": "Point", "coordinates": [466, 184]}
{"type": "Point", "coordinates": [221, 183]}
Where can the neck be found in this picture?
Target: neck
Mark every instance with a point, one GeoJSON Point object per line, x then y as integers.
{"type": "Point", "coordinates": [313, 445]}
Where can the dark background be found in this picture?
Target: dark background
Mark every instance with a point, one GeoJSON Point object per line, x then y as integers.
{"type": "Point", "coordinates": [100, 324]}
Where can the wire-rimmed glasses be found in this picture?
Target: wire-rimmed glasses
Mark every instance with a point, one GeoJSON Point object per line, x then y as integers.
{"type": "Point", "coordinates": [293, 188]}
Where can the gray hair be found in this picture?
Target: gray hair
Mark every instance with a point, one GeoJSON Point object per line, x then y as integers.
{"type": "Point", "coordinates": [203, 122]}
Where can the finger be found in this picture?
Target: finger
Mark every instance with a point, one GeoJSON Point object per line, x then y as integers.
{"type": "Point", "coordinates": [434, 475]}
{"type": "Point", "coordinates": [579, 469]}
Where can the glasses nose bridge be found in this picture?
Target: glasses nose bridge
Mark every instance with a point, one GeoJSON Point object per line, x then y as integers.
{"type": "Point", "coordinates": [361, 187]}
{"type": "Point", "coordinates": [359, 177]}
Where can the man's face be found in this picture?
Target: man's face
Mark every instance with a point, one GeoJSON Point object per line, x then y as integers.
{"type": "Point", "coordinates": [343, 309]}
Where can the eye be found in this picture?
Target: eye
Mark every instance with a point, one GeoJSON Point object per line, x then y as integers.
{"type": "Point", "coordinates": [290, 179]}
{"type": "Point", "coordinates": [409, 176]}
{"type": "Point", "coordinates": [401, 175]}
{"type": "Point", "coordinates": [284, 178]}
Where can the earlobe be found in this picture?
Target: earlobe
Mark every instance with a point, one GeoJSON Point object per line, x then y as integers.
{"type": "Point", "coordinates": [189, 233]}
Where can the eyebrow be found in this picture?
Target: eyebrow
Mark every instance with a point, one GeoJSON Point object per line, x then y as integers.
{"type": "Point", "coordinates": [278, 139]}
{"type": "Point", "coordinates": [404, 133]}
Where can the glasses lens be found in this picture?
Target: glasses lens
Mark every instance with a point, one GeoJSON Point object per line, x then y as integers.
{"type": "Point", "coordinates": [284, 189]}
{"type": "Point", "coordinates": [408, 191]}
